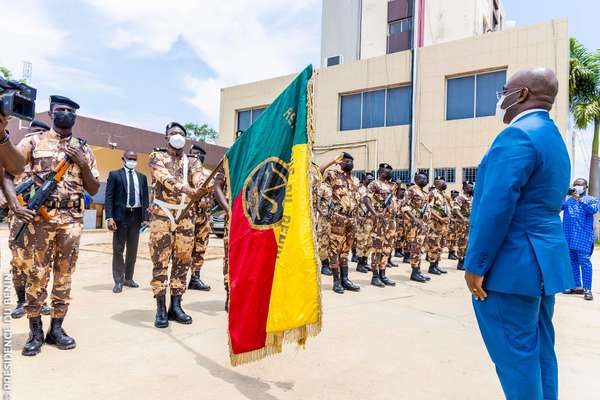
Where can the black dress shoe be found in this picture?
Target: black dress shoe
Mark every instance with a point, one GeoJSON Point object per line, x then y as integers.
{"type": "Point", "coordinates": [347, 284]}
{"type": "Point", "coordinates": [161, 320]}
{"type": "Point", "coordinates": [325, 270]}
{"type": "Point", "coordinates": [33, 346]}
{"type": "Point", "coordinates": [19, 310]}
{"type": "Point", "coordinates": [58, 337]}
{"type": "Point", "coordinates": [432, 270]}
{"type": "Point", "coordinates": [131, 283]}
{"type": "Point", "coordinates": [386, 281]}
{"type": "Point", "coordinates": [118, 287]}
{"type": "Point", "coordinates": [176, 313]}
{"type": "Point", "coordinates": [417, 276]}
{"type": "Point", "coordinates": [587, 295]}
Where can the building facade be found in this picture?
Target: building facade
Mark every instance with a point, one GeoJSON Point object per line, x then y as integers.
{"type": "Point", "coordinates": [364, 107]}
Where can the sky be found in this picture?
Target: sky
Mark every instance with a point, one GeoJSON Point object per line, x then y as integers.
{"type": "Point", "coordinates": [147, 62]}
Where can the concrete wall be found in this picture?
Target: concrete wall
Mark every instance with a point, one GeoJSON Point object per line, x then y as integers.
{"type": "Point", "coordinates": [374, 28]}
{"type": "Point", "coordinates": [340, 30]}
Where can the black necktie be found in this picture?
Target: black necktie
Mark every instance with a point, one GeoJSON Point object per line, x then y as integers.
{"type": "Point", "coordinates": [131, 190]}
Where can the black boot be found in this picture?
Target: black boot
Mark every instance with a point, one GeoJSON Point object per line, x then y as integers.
{"type": "Point", "coordinates": [58, 337]}
{"type": "Point", "coordinates": [376, 280]}
{"type": "Point", "coordinates": [390, 263]}
{"type": "Point", "coordinates": [417, 276]}
{"type": "Point", "coordinates": [461, 265]}
{"type": "Point", "coordinates": [398, 253]}
{"type": "Point", "coordinates": [452, 255]}
{"type": "Point", "coordinates": [161, 320]}
{"type": "Point", "coordinates": [441, 270]}
{"type": "Point", "coordinates": [337, 284]}
{"type": "Point", "coordinates": [433, 270]}
{"type": "Point", "coordinates": [325, 270]}
{"type": "Point", "coordinates": [176, 313]}
{"type": "Point", "coordinates": [346, 282]}
{"type": "Point", "coordinates": [362, 265]}
{"type": "Point", "coordinates": [19, 310]}
{"type": "Point", "coordinates": [406, 259]}
{"type": "Point", "coordinates": [386, 281]}
{"type": "Point", "coordinates": [354, 257]}
{"type": "Point", "coordinates": [197, 284]}
{"type": "Point", "coordinates": [36, 337]}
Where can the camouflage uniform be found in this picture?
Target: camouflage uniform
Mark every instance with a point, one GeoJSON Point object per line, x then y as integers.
{"type": "Point", "coordinates": [364, 229]}
{"type": "Point", "coordinates": [462, 204]}
{"type": "Point", "coordinates": [416, 202]}
{"type": "Point", "coordinates": [437, 230]}
{"type": "Point", "coordinates": [170, 242]}
{"type": "Point", "coordinates": [201, 230]}
{"type": "Point", "coordinates": [384, 228]}
{"type": "Point", "coordinates": [324, 203]}
{"type": "Point", "coordinates": [400, 225]}
{"type": "Point", "coordinates": [55, 243]}
{"type": "Point", "coordinates": [344, 199]}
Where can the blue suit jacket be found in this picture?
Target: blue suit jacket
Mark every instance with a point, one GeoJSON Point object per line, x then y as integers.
{"type": "Point", "coordinates": [516, 238]}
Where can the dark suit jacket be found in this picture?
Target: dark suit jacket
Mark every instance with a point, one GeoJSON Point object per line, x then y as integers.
{"type": "Point", "coordinates": [116, 195]}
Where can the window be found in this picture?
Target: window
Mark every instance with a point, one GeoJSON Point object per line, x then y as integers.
{"type": "Point", "coordinates": [335, 60]}
{"type": "Point", "coordinates": [469, 174]}
{"type": "Point", "coordinates": [358, 173]}
{"type": "Point", "coordinates": [246, 118]}
{"type": "Point", "coordinates": [377, 108]}
{"type": "Point", "coordinates": [424, 171]}
{"type": "Point", "coordinates": [402, 175]}
{"type": "Point", "coordinates": [449, 174]}
{"type": "Point", "coordinates": [473, 96]}
{"type": "Point", "coordinates": [403, 25]}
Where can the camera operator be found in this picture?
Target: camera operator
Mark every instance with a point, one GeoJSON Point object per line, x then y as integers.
{"type": "Point", "coordinates": [10, 159]}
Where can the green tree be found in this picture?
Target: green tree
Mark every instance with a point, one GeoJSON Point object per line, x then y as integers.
{"type": "Point", "coordinates": [201, 132]}
{"type": "Point", "coordinates": [584, 101]}
{"type": "Point", "coordinates": [5, 72]}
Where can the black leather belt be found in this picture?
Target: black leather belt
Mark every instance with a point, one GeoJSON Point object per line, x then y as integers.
{"type": "Point", "coordinates": [63, 204]}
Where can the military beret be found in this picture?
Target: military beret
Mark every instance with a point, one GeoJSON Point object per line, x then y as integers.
{"type": "Point", "coordinates": [56, 99]}
{"type": "Point", "coordinates": [440, 178]}
{"type": "Point", "coordinates": [198, 149]}
{"type": "Point", "coordinates": [468, 183]}
{"type": "Point", "coordinates": [175, 124]}
{"type": "Point", "coordinates": [39, 124]}
{"type": "Point", "coordinates": [385, 166]}
{"type": "Point", "coordinates": [347, 155]}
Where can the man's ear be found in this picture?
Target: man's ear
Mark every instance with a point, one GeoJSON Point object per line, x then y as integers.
{"type": "Point", "coordinates": [523, 95]}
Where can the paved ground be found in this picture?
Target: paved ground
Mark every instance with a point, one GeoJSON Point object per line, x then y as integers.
{"type": "Point", "coordinates": [409, 342]}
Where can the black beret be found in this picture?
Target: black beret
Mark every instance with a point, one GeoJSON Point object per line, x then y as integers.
{"type": "Point", "coordinates": [454, 191]}
{"type": "Point", "coordinates": [385, 166]}
{"type": "Point", "coordinates": [175, 124]}
{"type": "Point", "coordinates": [198, 149]}
{"type": "Point", "coordinates": [39, 124]}
{"type": "Point", "coordinates": [55, 99]}
{"type": "Point", "coordinates": [347, 155]}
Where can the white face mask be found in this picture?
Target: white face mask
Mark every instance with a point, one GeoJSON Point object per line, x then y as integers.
{"type": "Point", "coordinates": [130, 164]}
{"type": "Point", "coordinates": [501, 112]}
{"type": "Point", "coordinates": [177, 141]}
{"type": "Point", "coordinates": [579, 189]}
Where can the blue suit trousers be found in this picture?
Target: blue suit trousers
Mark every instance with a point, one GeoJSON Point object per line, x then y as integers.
{"type": "Point", "coordinates": [519, 336]}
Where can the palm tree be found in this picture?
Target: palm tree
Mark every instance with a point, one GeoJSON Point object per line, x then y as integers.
{"type": "Point", "coordinates": [584, 101]}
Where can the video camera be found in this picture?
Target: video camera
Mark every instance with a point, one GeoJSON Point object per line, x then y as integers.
{"type": "Point", "coordinates": [17, 99]}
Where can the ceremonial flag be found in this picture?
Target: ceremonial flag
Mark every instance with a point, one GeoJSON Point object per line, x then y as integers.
{"type": "Point", "coordinates": [273, 269]}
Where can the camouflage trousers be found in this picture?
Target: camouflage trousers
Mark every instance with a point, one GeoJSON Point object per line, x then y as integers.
{"type": "Point", "coordinates": [340, 240]}
{"type": "Point", "coordinates": [452, 235]}
{"type": "Point", "coordinates": [56, 248]}
{"type": "Point", "coordinates": [436, 232]}
{"type": "Point", "coordinates": [415, 240]}
{"type": "Point", "coordinates": [175, 248]}
{"type": "Point", "coordinates": [22, 256]}
{"type": "Point", "coordinates": [462, 235]}
{"type": "Point", "coordinates": [384, 230]}
{"type": "Point", "coordinates": [201, 233]}
{"type": "Point", "coordinates": [363, 237]}
{"type": "Point", "coordinates": [323, 236]}
{"type": "Point", "coordinates": [400, 234]}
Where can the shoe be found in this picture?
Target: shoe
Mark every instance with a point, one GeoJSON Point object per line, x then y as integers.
{"type": "Point", "coordinates": [398, 253]}
{"type": "Point", "coordinates": [417, 276]}
{"type": "Point", "coordinates": [337, 284]}
{"type": "Point", "coordinates": [354, 257]}
{"type": "Point", "coordinates": [406, 259]}
{"type": "Point", "coordinates": [161, 320]}
{"type": "Point", "coordinates": [362, 265]}
{"type": "Point", "coordinates": [386, 281]}
{"type": "Point", "coordinates": [432, 270]}
{"type": "Point", "coordinates": [176, 313]}
{"type": "Point", "coordinates": [35, 342]}
{"type": "Point", "coordinates": [574, 291]}
{"type": "Point", "coordinates": [452, 255]}
{"type": "Point", "coordinates": [19, 310]}
{"type": "Point", "coordinates": [325, 270]}
{"type": "Point", "coordinates": [197, 284]}
{"type": "Point", "coordinates": [440, 269]}
{"type": "Point", "coordinates": [376, 280]}
{"type": "Point", "coordinates": [587, 295]}
{"type": "Point", "coordinates": [58, 337]}
{"type": "Point", "coordinates": [391, 264]}
{"type": "Point", "coordinates": [118, 287]}
{"type": "Point", "coordinates": [46, 309]}
{"type": "Point", "coordinates": [131, 283]}
{"type": "Point", "coordinates": [461, 265]}
{"type": "Point", "coordinates": [347, 284]}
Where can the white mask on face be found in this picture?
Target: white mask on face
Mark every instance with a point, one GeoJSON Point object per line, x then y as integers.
{"type": "Point", "coordinates": [579, 189]}
{"type": "Point", "coordinates": [501, 112]}
{"type": "Point", "coordinates": [177, 141]}
{"type": "Point", "coordinates": [130, 164]}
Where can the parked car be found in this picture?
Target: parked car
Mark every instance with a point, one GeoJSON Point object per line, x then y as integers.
{"type": "Point", "coordinates": [217, 223]}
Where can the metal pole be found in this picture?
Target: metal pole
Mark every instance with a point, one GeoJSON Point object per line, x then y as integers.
{"type": "Point", "coordinates": [413, 110]}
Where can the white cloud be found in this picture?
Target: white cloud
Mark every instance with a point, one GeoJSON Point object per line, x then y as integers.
{"type": "Point", "coordinates": [240, 40]}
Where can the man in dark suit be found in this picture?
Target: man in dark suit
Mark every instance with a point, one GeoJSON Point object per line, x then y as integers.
{"type": "Point", "coordinates": [126, 212]}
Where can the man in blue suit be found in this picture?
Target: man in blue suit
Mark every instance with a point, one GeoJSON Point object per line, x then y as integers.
{"type": "Point", "coordinates": [518, 258]}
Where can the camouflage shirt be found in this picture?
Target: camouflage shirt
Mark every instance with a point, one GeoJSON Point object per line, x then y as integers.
{"type": "Point", "coordinates": [315, 181]}
{"type": "Point", "coordinates": [324, 199]}
{"type": "Point", "coordinates": [363, 192]}
{"type": "Point", "coordinates": [43, 152]}
{"type": "Point", "coordinates": [379, 192]}
{"type": "Point", "coordinates": [462, 204]}
{"type": "Point", "coordinates": [415, 201]}
{"type": "Point", "coordinates": [438, 202]}
{"type": "Point", "coordinates": [167, 178]}
{"type": "Point", "coordinates": [344, 192]}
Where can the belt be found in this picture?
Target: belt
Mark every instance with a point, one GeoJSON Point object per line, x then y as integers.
{"type": "Point", "coordinates": [63, 204]}
{"type": "Point", "coordinates": [168, 208]}
{"type": "Point", "coordinates": [133, 209]}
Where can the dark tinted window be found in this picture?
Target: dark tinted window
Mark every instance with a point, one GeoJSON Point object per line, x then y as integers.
{"type": "Point", "coordinates": [350, 112]}
{"type": "Point", "coordinates": [487, 86]}
{"type": "Point", "coordinates": [373, 113]}
{"type": "Point", "coordinates": [460, 94]}
{"type": "Point", "coordinates": [398, 106]}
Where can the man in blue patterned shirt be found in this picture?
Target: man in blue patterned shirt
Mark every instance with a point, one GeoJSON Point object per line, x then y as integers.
{"type": "Point", "coordinates": [578, 223]}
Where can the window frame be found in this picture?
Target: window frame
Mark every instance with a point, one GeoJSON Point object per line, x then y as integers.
{"type": "Point", "coordinates": [252, 119]}
{"type": "Point", "coordinates": [470, 169]}
{"type": "Point", "coordinates": [445, 172]}
{"type": "Point", "coordinates": [474, 75]}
